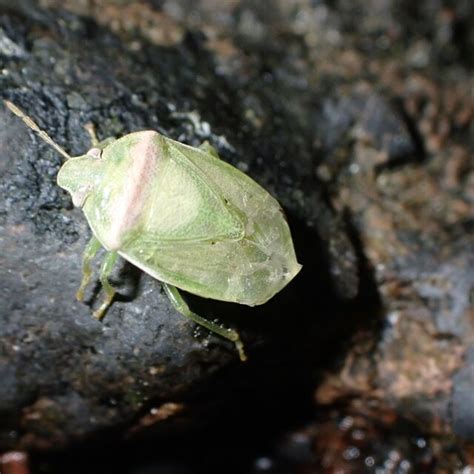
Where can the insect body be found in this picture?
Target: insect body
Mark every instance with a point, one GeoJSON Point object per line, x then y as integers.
{"type": "Point", "coordinates": [183, 216]}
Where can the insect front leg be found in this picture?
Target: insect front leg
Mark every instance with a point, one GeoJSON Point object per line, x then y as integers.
{"type": "Point", "coordinates": [105, 271]}
{"type": "Point", "coordinates": [90, 251]}
{"type": "Point", "coordinates": [181, 306]}
{"type": "Point", "coordinates": [90, 129]}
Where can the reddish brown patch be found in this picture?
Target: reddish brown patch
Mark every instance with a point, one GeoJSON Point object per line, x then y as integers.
{"type": "Point", "coordinates": [128, 208]}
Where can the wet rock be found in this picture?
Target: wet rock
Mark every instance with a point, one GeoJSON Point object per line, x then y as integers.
{"type": "Point", "coordinates": [352, 442]}
{"type": "Point", "coordinates": [463, 398]}
{"type": "Point", "coordinates": [367, 117]}
{"type": "Point", "coordinates": [415, 231]}
{"type": "Point", "coordinates": [8, 48]}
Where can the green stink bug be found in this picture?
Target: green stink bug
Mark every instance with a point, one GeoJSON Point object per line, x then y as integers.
{"type": "Point", "coordinates": [180, 214]}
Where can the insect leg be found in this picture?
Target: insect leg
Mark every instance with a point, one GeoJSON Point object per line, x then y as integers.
{"type": "Point", "coordinates": [89, 252]}
{"type": "Point", "coordinates": [90, 129]}
{"type": "Point", "coordinates": [107, 267]}
{"type": "Point", "coordinates": [180, 305]}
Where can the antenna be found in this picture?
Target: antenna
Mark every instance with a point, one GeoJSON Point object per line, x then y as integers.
{"type": "Point", "coordinates": [31, 124]}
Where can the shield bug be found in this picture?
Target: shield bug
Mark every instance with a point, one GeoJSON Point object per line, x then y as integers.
{"type": "Point", "coordinates": [180, 214]}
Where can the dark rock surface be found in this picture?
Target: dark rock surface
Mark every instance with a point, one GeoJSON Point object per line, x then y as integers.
{"type": "Point", "coordinates": [358, 116]}
{"type": "Point", "coordinates": [463, 398]}
{"type": "Point", "coordinates": [64, 375]}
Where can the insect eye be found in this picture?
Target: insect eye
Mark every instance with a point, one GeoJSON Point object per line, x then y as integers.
{"type": "Point", "coordinates": [95, 153]}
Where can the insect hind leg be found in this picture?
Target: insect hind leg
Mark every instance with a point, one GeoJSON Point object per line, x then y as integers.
{"type": "Point", "coordinates": [181, 306]}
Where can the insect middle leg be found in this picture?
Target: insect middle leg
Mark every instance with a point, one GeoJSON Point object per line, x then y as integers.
{"type": "Point", "coordinates": [181, 306]}
{"type": "Point", "coordinates": [105, 271]}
